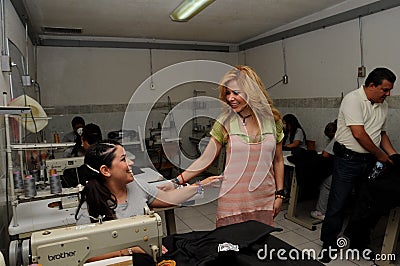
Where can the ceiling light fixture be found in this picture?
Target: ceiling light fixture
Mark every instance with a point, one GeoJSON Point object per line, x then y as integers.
{"type": "Point", "coordinates": [188, 9]}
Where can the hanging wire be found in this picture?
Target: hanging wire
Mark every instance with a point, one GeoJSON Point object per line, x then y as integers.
{"type": "Point", "coordinates": [361, 40]}
{"type": "Point", "coordinates": [284, 56]}
{"type": "Point", "coordinates": [361, 47]}
{"type": "Point", "coordinates": [151, 68]}
{"type": "Point", "coordinates": [285, 78]}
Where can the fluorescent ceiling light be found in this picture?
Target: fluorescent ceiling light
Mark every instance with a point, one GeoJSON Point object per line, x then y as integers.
{"type": "Point", "coordinates": [188, 9]}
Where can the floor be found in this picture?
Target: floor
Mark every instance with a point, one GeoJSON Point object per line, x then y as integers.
{"type": "Point", "coordinates": [202, 218]}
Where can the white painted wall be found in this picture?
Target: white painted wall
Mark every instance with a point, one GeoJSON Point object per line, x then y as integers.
{"type": "Point", "coordinates": [324, 63]}
{"type": "Point", "coordinates": [84, 76]}
{"type": "Point", "coordinates": [321, 63]}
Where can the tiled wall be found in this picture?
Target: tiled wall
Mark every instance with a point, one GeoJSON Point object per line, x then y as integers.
{"type": "Point", "coordinates": [313, 114]}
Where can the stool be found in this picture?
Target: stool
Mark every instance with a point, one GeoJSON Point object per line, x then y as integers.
{"type": "Point", "coordinates": [391, 235]}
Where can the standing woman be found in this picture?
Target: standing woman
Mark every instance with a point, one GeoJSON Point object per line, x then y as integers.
{"type": "Point", "coordinates": [112, 192]}
{"type": "Point", "coordinates": [295, 137]}
{"type": "Point", "coordinates": [251, 129]}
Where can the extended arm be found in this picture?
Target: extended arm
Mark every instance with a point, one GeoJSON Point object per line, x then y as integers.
{"type": "Point", "coordinates": [366, 142]}
{"type": "Point", "coordinates": [386, 145]}
{"type": "Point", "coordinates": [278, 165]}
{"type": "Point", "coordinates": [211, 152]}
{"type": "Point", "coordinates": [177, 196]}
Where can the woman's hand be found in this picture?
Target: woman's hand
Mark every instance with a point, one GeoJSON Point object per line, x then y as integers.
{"type": "Point", "coordinates": [277, 206]}
{"type": "Point", "coordinates": [164, 250]}
{"type": "Point", "coordinates": [166, 186]}
{"type": "Point", "coordinates": [216, 179]}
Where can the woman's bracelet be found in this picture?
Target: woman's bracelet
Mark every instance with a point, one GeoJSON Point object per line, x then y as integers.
{"type": "Point", "coordinates": [280, 194]}
{"type": "Point", "coordinates": [200, 188]}
{"type": "Point", "coordinates": [176, 180]}
{"type": "Point", "coordinates": [183, 180]}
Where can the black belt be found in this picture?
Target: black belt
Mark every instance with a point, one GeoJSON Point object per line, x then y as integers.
{"type": "Point", "coordinates": [341, 150]}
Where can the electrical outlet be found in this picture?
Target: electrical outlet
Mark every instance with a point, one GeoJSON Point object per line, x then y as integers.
{"type": "Point", "coordinates": [26, 81]}
{"type": "Point", "coordinates": [6, 63]}
{"type": "Point", "coordinates": [361, 71]}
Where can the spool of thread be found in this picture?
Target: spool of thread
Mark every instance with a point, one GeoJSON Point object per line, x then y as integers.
{"type": "Point", "coordinates": [18, 182]}
{"type": "Point", "coordinates": [35, 175]}
{"type": "Point", "coordinates": [29, 186]}
{"type": "Point", "coordinates": [56, 138]}
{"type": "Point", "coordinates": [52, 172]}
{"type": "Point", "coordinates": [55, 184]}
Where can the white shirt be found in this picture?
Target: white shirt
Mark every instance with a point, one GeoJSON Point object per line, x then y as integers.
{"type": "Point", "coordinates": [356, 109]}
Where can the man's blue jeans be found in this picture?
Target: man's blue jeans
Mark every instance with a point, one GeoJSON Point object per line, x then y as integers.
{"type": "Point", "coordinates": [348, 173]}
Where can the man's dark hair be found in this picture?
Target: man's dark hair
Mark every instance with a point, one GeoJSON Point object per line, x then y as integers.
{"type": "Point", "coordinates": [91, 133]}
{"type": "Point", "coordinates": [378, 75]}
{"type": "Point", "coordinates": [77, 120]}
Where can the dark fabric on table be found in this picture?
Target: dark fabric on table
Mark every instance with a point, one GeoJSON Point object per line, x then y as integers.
{"type": "Point", "coordinates": [201, 247]}
{"type": "Point", "coordinates": [311, 169]}
{"type": "Point", "coordinates": [376, 198]}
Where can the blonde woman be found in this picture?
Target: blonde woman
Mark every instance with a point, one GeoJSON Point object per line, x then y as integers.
{"type": "Point", "coordinates": [251, 129]}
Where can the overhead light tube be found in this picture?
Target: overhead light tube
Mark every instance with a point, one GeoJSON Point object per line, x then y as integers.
{"type": "Point", "coordinates": [188, 9]}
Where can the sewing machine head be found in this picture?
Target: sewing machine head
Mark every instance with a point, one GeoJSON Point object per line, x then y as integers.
{"type": "Point", "coordinates": [63, 163]}
{"type": "Point", "coordinates": [74, 245]}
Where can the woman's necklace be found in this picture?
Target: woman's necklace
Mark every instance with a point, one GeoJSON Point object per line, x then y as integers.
{"type": "Point", "coordinates": [244, 118]}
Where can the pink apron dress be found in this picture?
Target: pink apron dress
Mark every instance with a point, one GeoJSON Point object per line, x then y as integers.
{"type": "Point", "coordinates": [248, 189]}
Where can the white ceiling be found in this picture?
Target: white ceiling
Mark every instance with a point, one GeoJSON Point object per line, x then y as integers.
{"type": "Point", "coordinates": [224, 21]}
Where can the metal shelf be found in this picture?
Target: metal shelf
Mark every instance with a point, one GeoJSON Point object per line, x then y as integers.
{"type": "Point", "coordinates": [27, 146]}
{"type": "Point", "coordinates": [45, 194]}
{"type": "Point", "coordinates": [14, 110]}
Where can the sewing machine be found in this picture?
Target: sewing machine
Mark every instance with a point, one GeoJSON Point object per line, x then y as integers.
{"type": "Point", "coordinates": [63, 163]}
{"type": "Point", "coordinates": [75, 244]}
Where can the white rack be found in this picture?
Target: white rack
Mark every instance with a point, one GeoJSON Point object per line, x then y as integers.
{"type": "Point", "coordinates": [9, 111]}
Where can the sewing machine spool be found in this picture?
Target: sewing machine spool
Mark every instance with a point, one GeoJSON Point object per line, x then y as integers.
{"type": "Point", "coordinates": [35, 175]}
{"type": "Point", "coordinates": [55, 184]}
{"type": "Point", "coordinates": [29, 186]}
{"type": "Point", "coordinates": [18, 182]}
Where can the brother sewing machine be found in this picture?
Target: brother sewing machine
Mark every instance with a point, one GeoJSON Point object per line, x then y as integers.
{"type": "Point", "coordinates": [75, 244]}
{"type": "Point", "coordinates": [63, 163]}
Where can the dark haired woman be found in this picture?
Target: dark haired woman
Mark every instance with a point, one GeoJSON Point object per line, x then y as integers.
{"type": "Point", "coordinates": [295, 137]}
{"type": "Point", "coordinates": [112, 191]}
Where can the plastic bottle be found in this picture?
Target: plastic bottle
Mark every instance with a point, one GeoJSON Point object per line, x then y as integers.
{"type": "Point", "coordinates": [376, 170]}
{"type": "Point", "coordinates": [56, 137]}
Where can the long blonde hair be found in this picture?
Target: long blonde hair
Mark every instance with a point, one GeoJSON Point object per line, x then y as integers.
{"type": "Point", "coordinates": [260, 102]}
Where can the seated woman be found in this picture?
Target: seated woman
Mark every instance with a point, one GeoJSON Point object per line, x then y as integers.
{"type": "Point", "coordinates": [325, 188]}
{"type": "Point", "coordinates": [113, 192]}
{"type": "Point", "coordinates": [295, 137]}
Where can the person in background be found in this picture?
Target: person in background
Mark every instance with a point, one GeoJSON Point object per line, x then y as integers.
{"type": "Point", "coordinates": [361, 141]}
{"type": "Point", "coordinates": [112, 191]}
{"type": "Point", "coordinates": [75, 135]}
{"type": "Point", "coordinates": [320, 210]}
{"type": "Point", "coordinates": [91, 134]}
{"type": "Point", "coordinates": [251, 129]}
{"type": "Point", "coordinates": [295, 137]}
{"type": "Point", "coordinates": [294, 140]}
